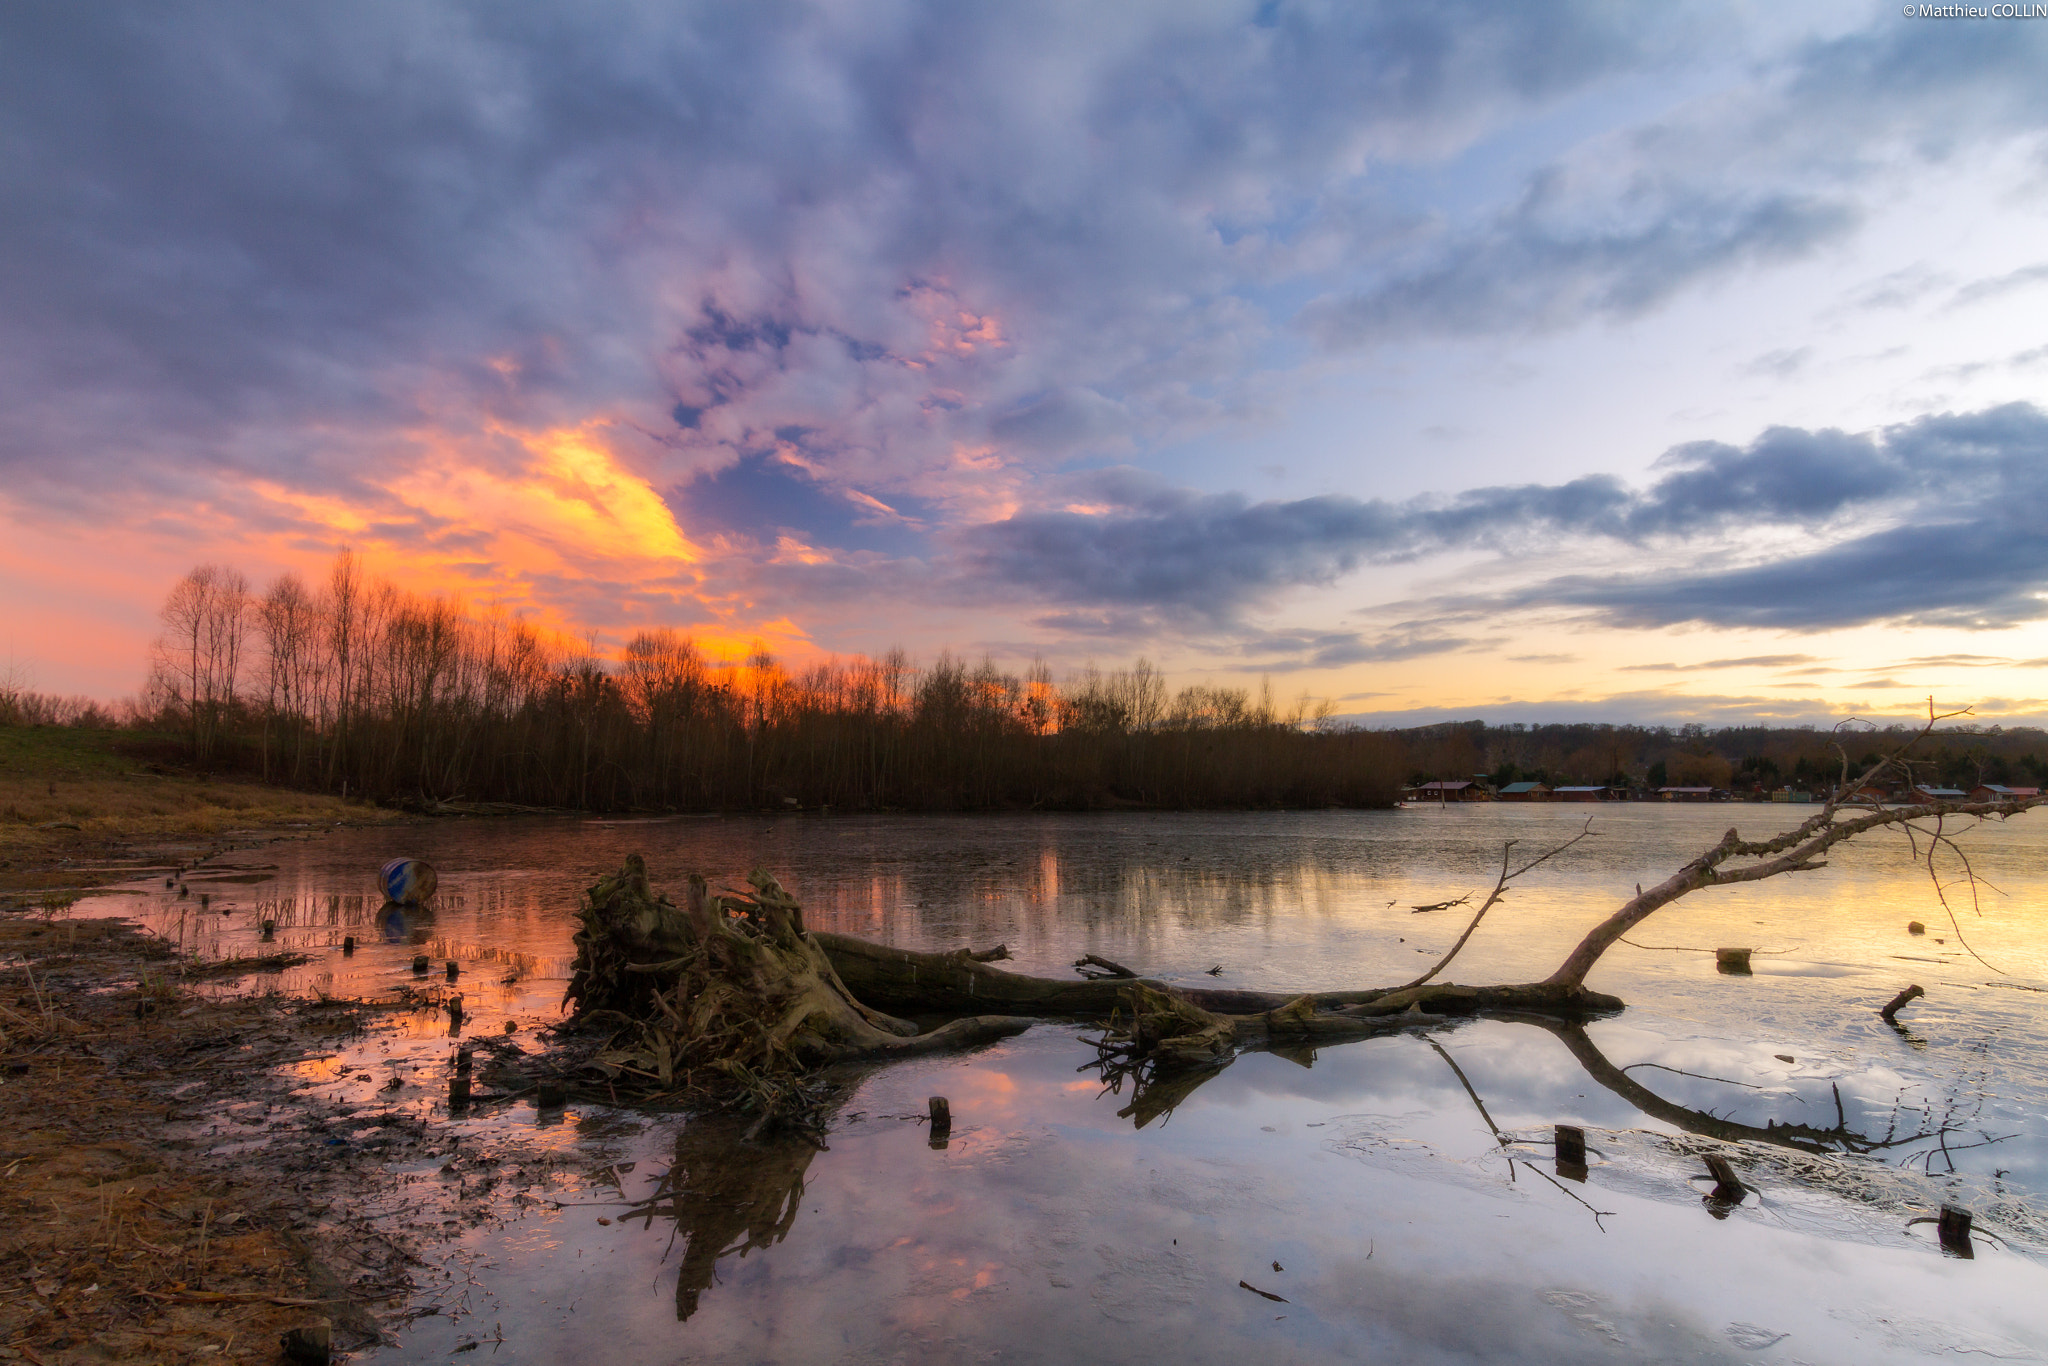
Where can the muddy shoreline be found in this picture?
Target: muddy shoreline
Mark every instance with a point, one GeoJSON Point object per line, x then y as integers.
{"type": "Point", "coordinates": [196, 1163]}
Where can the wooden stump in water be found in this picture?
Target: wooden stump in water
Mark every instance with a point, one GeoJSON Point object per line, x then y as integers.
{"type": "Point", "coordinates": [1954, 1228]}
{"type": "Point", "coordinates": [1728, 1187]}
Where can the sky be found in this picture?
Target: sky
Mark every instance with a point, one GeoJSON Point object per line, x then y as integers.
{"type": "Point", "coordinates": [1546, 361]}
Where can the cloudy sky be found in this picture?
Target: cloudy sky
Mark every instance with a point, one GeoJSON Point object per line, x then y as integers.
{"type": "Point", "coordinates": [1545, 360]}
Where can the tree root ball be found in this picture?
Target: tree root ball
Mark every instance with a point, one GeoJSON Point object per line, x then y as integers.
{"type": "Point", "coordinates": [730, 982]}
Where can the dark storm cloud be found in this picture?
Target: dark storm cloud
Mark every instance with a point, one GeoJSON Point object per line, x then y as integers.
{"type": "Point", "coordinates": [1979, 573]}
{"type": "Point", "coordinates": [1963, 496]}
{"type": "Point", "coordinates": [761, 496]}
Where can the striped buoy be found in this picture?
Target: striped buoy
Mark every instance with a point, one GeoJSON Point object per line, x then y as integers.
{"type": "Point", "coordinates": [407, 881]}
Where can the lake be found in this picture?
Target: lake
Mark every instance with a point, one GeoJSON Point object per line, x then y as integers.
{"type": "Point", "coordinates": [1399, 1194]}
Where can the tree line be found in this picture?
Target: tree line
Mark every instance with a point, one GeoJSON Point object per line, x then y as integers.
{"type": "Point", "coordinates": [356, 685]}
{"type": "Point", "coordinates": [1734, 758]}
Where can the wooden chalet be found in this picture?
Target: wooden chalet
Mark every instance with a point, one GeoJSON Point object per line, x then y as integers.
{"type": "Point", "coordinates": [1525, 792]}
{"type": "Point", "coordinates": [1923, 793]}
{"type": "Point", "coordinates": [1465, 791]}
{"type": "Point", "coordinates": [1998, 792]}
{"type": "Point", "coordinates": [1580, 794]}
{"type": "Point", "coordinates": [1686, 794]}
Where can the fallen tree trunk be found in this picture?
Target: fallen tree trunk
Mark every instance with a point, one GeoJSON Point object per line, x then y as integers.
{"type": "Point", "coordinates": [920, 983]}
{"type": "Point", "coordinates": [735, 985]}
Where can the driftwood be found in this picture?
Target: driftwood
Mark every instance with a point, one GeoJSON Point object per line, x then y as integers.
{"type": "Point", "coordinates": [950, 983]}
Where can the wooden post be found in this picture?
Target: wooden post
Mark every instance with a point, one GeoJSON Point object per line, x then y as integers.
{"type": "Point", "coordinates": [348, 945]}
{"type": "Point", "coordinates": [1733, 961]}
{"type": "Point", "coordinates": [941, 1129]}
{"type": "Point", "coordinates": [269, 930]}
{"type": "Point", "coordinates": [1571, 1152]}
{"type": "Point", "coordinates": [454, 969]}
{"type": "Point", "coordinates": [1955, 1232]}
{"type": "Point", "coordinates": [551, 1095]}
{"type": "Point", "coordinates": [419, 963]}
{"type": "Point", "coordinates": [1728, 1189]}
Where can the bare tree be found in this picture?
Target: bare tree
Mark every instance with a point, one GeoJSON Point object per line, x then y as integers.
{"type": "Point", "coordinates": [289, 621]}
{"type": "Point", "coordinates": [197, 661]}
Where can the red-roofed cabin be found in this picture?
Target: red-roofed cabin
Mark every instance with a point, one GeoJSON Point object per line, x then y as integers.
{"type": "Point", "coordinates": [1449, 792]}
{"type": "Point", "coordinates": [1998, 792]}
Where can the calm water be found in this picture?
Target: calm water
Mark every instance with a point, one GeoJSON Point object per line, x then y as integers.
{"type": "Point", "coordinates": [1404, 1184]}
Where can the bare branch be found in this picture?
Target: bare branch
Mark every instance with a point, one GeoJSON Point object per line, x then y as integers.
{"type": "Point", "coordinates": [1797, 851]}
{"type": "Point", "coordinates": [1500, 888]}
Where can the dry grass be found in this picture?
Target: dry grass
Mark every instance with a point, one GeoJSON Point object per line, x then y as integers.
{"type": "Point", "coordinates": [61, 787]}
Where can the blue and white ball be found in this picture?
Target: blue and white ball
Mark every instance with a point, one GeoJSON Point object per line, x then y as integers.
{"type": "Point", "coordinates": [407, 881]}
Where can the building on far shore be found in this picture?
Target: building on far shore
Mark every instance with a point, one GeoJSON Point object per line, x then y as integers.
{"type": "Point", "coordinates": [1686, 794]}
{"type": "Point", "coordinates": [1998, 792]}
{"type": "Point", "coordinates": [1581, 794]}
{"type": "Point", "coordinates": [1466, 791]}
{"type": "Point", "coordinates": [1924, 793]}
{"type": "Point", "coordinates": [1525, 792]}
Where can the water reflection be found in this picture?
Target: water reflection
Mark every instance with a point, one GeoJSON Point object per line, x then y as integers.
{"type": "Point", "coordinates": [728, 1194]}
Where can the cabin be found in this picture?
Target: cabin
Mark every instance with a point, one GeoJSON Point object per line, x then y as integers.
{"type": "Point", "coordinates": [1525, 792]}
{"type": "Point", "coordinates": [1998, 792]}
{"type": "Point", "coordinates": [1923, 793]}
{"type": "Point", "coordinates": [1580, 794]}
{"type": "Point", "coordinates": [1686, 794]}
{"type": "Point", "coordinates": [1877, 794]}
{"type": "Point", "coordinates": [1448, 792]}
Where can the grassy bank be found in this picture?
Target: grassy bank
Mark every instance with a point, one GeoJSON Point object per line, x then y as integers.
{"type": "Point", "coordinates": [68, 792]}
